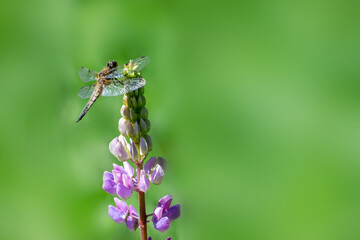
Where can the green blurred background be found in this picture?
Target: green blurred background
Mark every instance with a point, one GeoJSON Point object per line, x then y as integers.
{"type": "Point", "coordinates": [255, 105]}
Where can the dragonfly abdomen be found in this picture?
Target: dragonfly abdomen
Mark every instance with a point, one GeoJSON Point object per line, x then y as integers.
{"type": "Point", "coordinates": [97, 92]}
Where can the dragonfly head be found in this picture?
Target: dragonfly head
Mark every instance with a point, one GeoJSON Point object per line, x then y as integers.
{"type": "Point", "coordinates": [112, 64]}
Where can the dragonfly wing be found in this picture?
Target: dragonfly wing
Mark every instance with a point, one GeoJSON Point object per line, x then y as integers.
{"type": "Point", "coordinates": [87, 75]}
{"type": "Point", "coordinates": [117, 73]}
{"type": "Point", "coordinates": [141, 62]}
{"type": "Point", "coordinates": [115, 88]}
{"type": "Point", "coordinates": [86, 91]}
{"type": "Point", "coordinates": [131, 84]}
{"type": "Point", "coordinates": [120, 87]}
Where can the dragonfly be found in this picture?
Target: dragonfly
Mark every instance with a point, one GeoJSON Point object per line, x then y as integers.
{"type": "Point", "coordinates": [112, 80]}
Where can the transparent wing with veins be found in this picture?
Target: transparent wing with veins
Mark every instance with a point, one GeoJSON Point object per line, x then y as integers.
{"type": "Point", "coordinates": [118, 72]}
{"type": "Point", "coordinates": [87, 75]}
{"type": "Point", "coordinates": [120, 87]}
{"type": "Point", "coordinates": [86, 91]}
{"type": "Point", "coordinates": [141, 62]}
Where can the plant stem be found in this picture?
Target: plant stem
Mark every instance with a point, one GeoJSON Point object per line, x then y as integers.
{"type": "Point", "coordinates": [142, 220]}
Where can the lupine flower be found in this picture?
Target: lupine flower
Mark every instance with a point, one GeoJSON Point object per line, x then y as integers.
{"type": "Point", "coordinates": [119, 147]}
{"type": "Point", "coordinates": [132, 221]}
{"type": "Point", "coordinates": [164, 214]}
{"type": "Point", "coordinates": [123, 177]}
{"type": "Point", "coordinates": [109, 184]}
{"type": "Point", "coordinates": [120, 212]}
{"type": "Point", "coordinates": [121, 181]}
{"type": "Point", "coordinates": [144, 184]}
{"type": "Point", "coordinates": [155, 169]}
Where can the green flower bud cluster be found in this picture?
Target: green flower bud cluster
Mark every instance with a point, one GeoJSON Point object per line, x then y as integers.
{"type": "Point", "coordinates": [134, 122]}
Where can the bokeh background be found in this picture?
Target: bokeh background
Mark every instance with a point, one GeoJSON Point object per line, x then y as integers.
{"type": "Point", "coordinates": [255, 105]}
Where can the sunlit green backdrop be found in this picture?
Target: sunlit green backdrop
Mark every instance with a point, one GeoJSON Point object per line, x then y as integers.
{"type": "Point", "coordinates": [255, 105]}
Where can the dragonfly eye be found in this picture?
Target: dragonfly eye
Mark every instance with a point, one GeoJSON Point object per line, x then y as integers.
{"type": "Point", "coordinates": [112, 64]}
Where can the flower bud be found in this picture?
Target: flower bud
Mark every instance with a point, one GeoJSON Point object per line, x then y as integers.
{"type": "Point", "coordinates": [155, 168]}
{"type": "Point", "coordinates": [141, 90]}
{"type": "Point", "coordinates": [139, 101]}
{"type": "Point", "coordinates": [127, 100]}
{"type": "Point", "coordinates": [148, 124]}
{"type": "Point", "coordinates": [136, 92]}
{"type": "Point", "coordinates": [133, 115]}
{"type": "Point", "coordinates": [134, 102]}
{"type": "Point", "coordinates": [122, 127]}
{"type": "Point", "coordinates": [143, 112]}
{"type": "Point", "coordinates": [136, 132]}
{"type": "Point", "coordinates": [129, 129]}
{"type": "Point", "coordinates": [119, 148]}
{"type": "Point", "coordinates": [143, 127]}
{"type": "Point", "coordinates": [125, 112]}
{"type": "Point", "coordinates": [143, 147]}
{"type": "Point", "coordinates": [134, 152]}
{"type": "Point", "coordinates": [143, 98]}
{"type": "Point", "coordinates": [149, 142]}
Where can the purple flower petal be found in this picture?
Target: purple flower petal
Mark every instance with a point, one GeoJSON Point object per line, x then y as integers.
{"type": "Point", "coordinates": [127, 181]}
{"type": "Point", "coordinates": [165, 202]}
{"type": "Point", "coordinates": [112, 146]}
{"type": "Point", "coordinates": [132, 211]}
{"type": "Point", "coordinates": [157, 175]}
{"type": "Point", "coordinates": [128, 169]}
{"type": "Point", "coordinates": [123, 141]}
{"type": "Point", "coordinates": [109, 186]}
{"type": "Point", "coordinates": [116, 215]}
{"type": "Point", "coordinates": [122, 126]}
{"type": "Point", "coordinates": [162, 225]}
{"type": "Point", "coordinates": [121, 206]}
{"type": "Point", "coordinates": [122, 153]}
{"type": "Point", "coordinates": [122, 191]}
{"type": "Point", "coordinates": [117, 176]}
{"type": "Point", "coordinates": [108, 175]}
{"type": "Point", "coordinates": [158, 213]}
{"type": "Point", "coordinates": [118, 147]}
{"type": "Point", "coordinates": [173, 213]}
{"type": "Point", "coordinates": [144, 184]}
{"type": "Point", "coordinates": [132, 222]}
{"type": "Point", "coordinates": [116, 167]}
{"type": "Point", "coordinates": [149, 165]}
